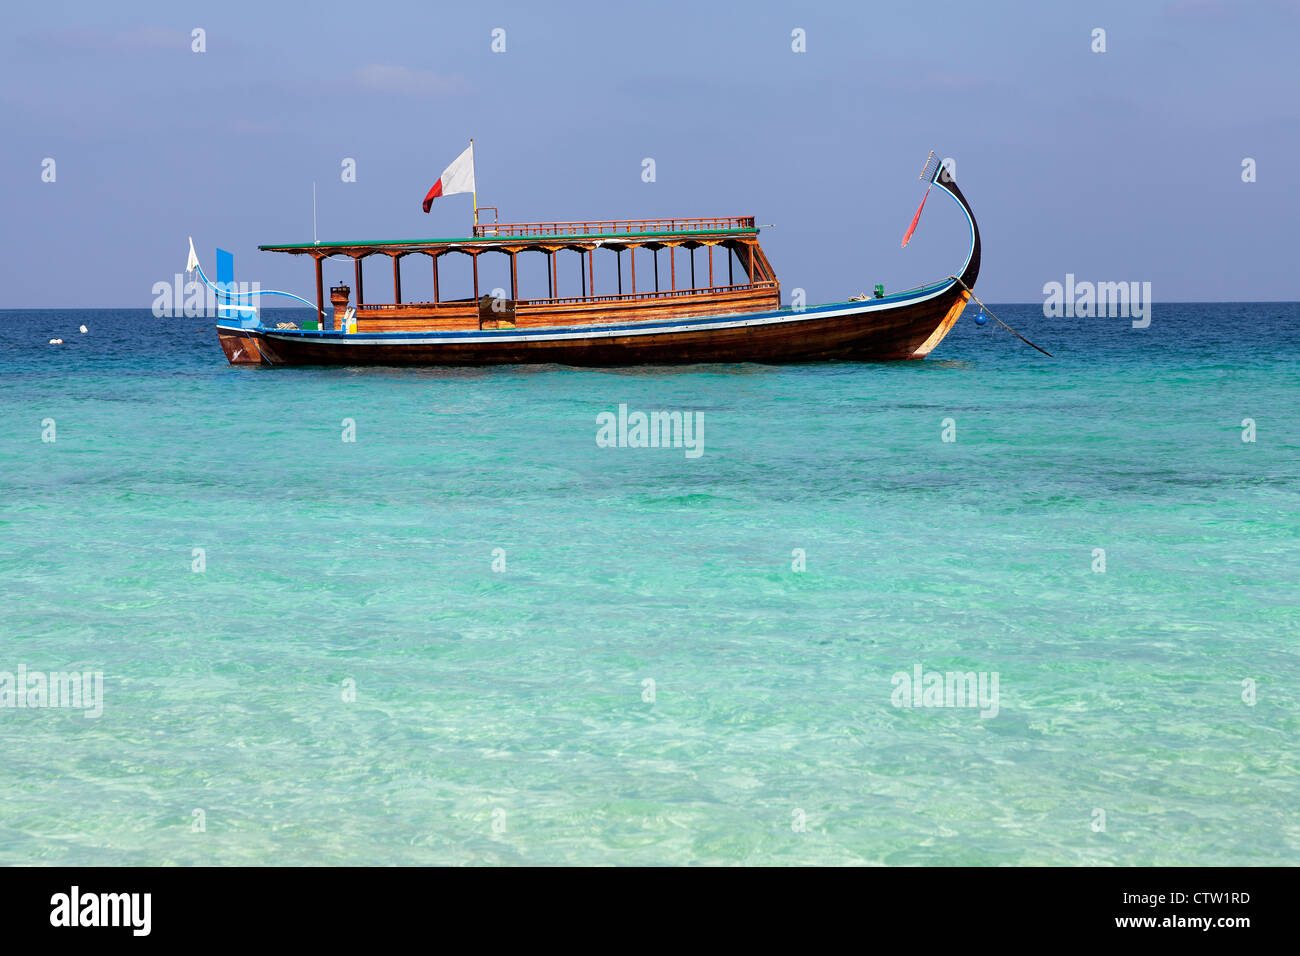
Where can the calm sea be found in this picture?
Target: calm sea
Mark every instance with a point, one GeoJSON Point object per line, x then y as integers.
{"type": "Point", "coordinates": [472, 635]}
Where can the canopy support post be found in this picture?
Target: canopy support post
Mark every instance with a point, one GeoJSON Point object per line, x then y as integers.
{"type": "Point", "coordinates": [320, 295]}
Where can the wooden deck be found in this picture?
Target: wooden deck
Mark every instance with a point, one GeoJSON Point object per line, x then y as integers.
{"type": "Point", "coordinates": [738, 274]}
{"type": "Point", "coordinates": [594, 310]}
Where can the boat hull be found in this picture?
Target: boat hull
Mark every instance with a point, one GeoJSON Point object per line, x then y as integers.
{"type": "Point", "coordinates": [906, 325]}
{"type": "Point", "coordinates": [874, 330]}
{"type": "Point", "coordinates": [242, 346]}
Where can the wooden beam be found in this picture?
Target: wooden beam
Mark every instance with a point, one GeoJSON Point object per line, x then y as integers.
{"type": "Point", "coordinates": [710, 265]}
{"type": "Point", "coordinates": [672, 266]}
{"type": "Point", "coordinates": [582, 270]}
{"type": "Point", "coordinates": [618, 254]}
{"type": "Point", "coordinates": [397, 279]}
{"type": "Point", "coordinates": [474, 257]}
{"type": "Point", "coordinates": [692, 251]}
{"type": "Point", "coordinates": [656, 270]}
{"type": "Point", "coordinates": [514, 280]}
{"type": "Point", "coordinates": [764, 267]}
{"type": "Point", "coordinates": [631, 254]}
{"type": "Point", "coordinates": [550, 275]}
{"type": "Point", "coordinates": [357, 262]}
{"type": "Point", "coordinates": [434, 257]}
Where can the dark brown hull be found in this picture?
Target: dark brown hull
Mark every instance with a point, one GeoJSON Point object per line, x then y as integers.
{"type": "Point", "coordinates": [863, 333]}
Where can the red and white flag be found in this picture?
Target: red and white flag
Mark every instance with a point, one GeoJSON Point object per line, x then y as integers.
{"type": "Point", "coordinates": [456, 178]}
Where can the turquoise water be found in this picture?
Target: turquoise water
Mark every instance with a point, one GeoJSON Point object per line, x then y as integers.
{"type": "Point", "coordinates": [501, 715]}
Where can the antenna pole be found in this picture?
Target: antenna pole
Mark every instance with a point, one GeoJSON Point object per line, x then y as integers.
{"type": "Point", "coordinates": [314, 240]}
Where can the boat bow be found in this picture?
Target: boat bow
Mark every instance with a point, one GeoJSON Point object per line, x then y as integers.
{"type": "Point", "coordinates": [971, 270]}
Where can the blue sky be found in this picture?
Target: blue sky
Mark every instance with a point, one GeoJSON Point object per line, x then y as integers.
{"type": "Point", "coordinates": [1115, 166]}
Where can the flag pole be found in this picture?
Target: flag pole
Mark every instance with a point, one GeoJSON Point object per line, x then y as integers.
{"type": "Point", "coordinates": [473, 192]}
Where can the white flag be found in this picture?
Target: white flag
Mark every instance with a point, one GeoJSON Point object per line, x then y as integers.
{"type": "Point", "coordinates": [456, 178]}
{"type": "Point", "coordinates": [192, 262]}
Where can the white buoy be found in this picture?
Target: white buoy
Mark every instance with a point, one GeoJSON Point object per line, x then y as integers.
{"type": "Point", "coordinates": [56, 341]}
{"type": "Point", "coordinates": [84, 330]}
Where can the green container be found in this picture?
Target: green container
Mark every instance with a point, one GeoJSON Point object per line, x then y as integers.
{"type": "Point", "coordinates": [310, 325]}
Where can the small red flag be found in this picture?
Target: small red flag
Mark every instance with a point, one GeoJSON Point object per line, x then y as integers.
{"type": "Point", "coordinates": [915, 219]}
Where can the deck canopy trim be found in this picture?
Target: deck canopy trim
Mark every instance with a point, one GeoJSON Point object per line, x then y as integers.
{"type": "Point", "coordinates": [545, 241]}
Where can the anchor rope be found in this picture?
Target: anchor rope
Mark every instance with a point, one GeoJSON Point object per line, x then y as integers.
{"type": "Point", "coordinates": [971, 293]}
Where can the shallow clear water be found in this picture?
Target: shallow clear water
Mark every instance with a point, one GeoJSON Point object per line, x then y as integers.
{"type": "Point", "coordinates": [500, 715]}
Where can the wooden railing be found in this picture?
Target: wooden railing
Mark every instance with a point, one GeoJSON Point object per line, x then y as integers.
{"type": "Point", "coordinates": [575, 299]}
{"type": "Point", "coordinates": [390, 307]}
{"type": "Point", "coordinates": [664, 294]}
{"type": "Point", "coordinates": [606, 226]}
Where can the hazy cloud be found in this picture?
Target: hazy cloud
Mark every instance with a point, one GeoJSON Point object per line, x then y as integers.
{"type": "Point", "coordinates": [134, 40]}
{"type": "Point", "coordinates": [1224, 8]}
{"type": "Point", "coordinates": [385, 78]}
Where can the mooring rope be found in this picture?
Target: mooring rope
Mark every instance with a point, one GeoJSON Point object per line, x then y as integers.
{"type": "Point", "coordinates": [971, 293]}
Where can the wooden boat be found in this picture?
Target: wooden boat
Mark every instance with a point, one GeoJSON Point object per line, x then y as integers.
{"type": "Point", "coordinates": [737, 320]}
